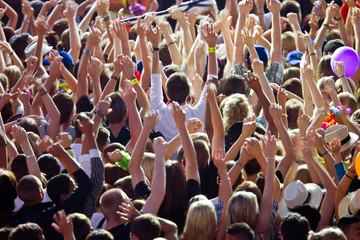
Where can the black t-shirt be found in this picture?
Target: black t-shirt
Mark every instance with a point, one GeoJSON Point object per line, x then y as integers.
{"type": "Point", "coordinates": [208, 176]}
{"type": "Point", "coordinates": [121, 232]}
{"type": "Point", "coordinates": [123, 137]}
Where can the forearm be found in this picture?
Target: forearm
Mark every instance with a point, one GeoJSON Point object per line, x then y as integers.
{"type": "Point", "coordinates": [86, 20]}
{"type": "Point", "coordinates": [276, 50]}
{"type": "Point", "coordinates": [229, 46]}
{"type": "Point", "coordinates": [134, 123]}
{"type": "Point", "coordinates": [261, 15]}
{"type": "Point", "coordinates": [75, 44]}
{"type": "Point", "coordinates": [31, 162]}
{"type": "Point", "coordinates": [265, 103]}
{"type": "Point", "coordinates": [345, 84]}
{"type": "Point", "coordinates": [172, 146]}
{"type": "Point", "coordinates": [343, 33]}
{"type": "Point", "coordinates": [266, 87]}
{"type": "Point", "coordinates": [308, 107]}
{"type": "Point", "coordinates": [125, 47]}
{"type": "Point", "coordinates": [155, 62]}
{"type": "Point", "coordinates": [217, 124]}
{"type": "Point", "coordinates": [319, 40]}
{"type": "Point", "coordinates": [186, 36]}
{"type": "Point", "coordinates": [54, 15]}
{"type": "Point", "coordinates": [54, 113]}
{"type": "Point", "coordinates": [142, 98]}
{"type": "Point", "coordinates": [82, 7]}
{"type": "Point", "coordinates": [82, 87]}
{"type": "Point", "coordinates": [315, 93]}
{"type": "Point", "coordinates": [11, 14]}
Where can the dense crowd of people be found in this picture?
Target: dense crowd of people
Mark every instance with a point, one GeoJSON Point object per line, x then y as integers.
{"type": "Point", "coordinates": [232, 122]}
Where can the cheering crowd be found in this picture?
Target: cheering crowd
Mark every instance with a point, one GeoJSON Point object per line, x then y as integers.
{"type": "Point", "coordinates": [235, 121]}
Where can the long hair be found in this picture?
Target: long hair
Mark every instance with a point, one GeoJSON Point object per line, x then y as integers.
{"type": "Point", "coordinates": [200, 221]}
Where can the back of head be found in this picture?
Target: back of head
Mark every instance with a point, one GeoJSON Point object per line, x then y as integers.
{"type": "Point", "coordinates": [329, 233]}
{"type": "Point", "coordinates": [202, 153]}
{"type": "Point", "coordinates": [57, 185]}
{"type": "Point", "coordinates": [294, 227]}
{"type": "Point", "coordinates": [289, 7]}
{"type": "Point", "coordinates": [60, 26]}
{"type": "Point", "coordinates": [178, 87]}
{"type": "Point", "coordinates": [110, 201]}
{"type": "Point", "coordinates": [110, 148]}
{"type": "Point", "coordinates": [147, 164]}
{"type": "Point", "coordinates": [292, 110]}
{"type": "Point", "coordinates": [232, 84]}
{"type": "Point", "coordinates": [8, 186]}
{"type": "Point", "coordinates": [242, 207]}
{"type": "Point", "coordinates": [100, 234]}
{"type": "Point", "coordinates": [65, 104]}
{"type": "Point", "coordinates": [241, 231]}
{"type": "Point", "coordinates": [332, 45]}
{"type": "Point", "coordinates": [19, 166]}
{"type": "Point", "coordinates": [293, 85]}
{"type": "Point", "coordinates": [29, 189]}
{"type": "Point", "coordinates": [5, 233]}
{"type": "Point", "coordinates": [164, 54]}
{"type": "Point", "coordinates": [18, 43]}
{"type": "Point", "coordinates": [248, 186]}
{"type": "Point", "coordinates": [49, 165]}
{"type": "Point", "coordinates": [103, 137]}
{"type": "Point", "coordinates": [324, 67]}
{"type": "Point", "coordinates": [200, 221]}
{"type": "Point", "coordinates": [81, 225]}
{"type": "Point", "coordinates": [113, 173]}
{"type": "Point", "coordinates": [118, 107]}
{"type": "Point", "coordinates": [348, 100]}
{"type": "Point", "coordinates": [13, 74]}
{"type": "Point", "coordinates": [28, 231]}
{"type": "Point", "coordinates": [29, 125]}
{"type": "Point", "coordinates": [125, 184]}
{"type": "Point", "coordinates": [291, 72]}
{"type": "Point", "coordinates": [4, 81]}
{"type": "Point", "coordinates": [145, 227]}
{"type": "Point", "coordinates": [170, 69]}
{"type": "Point", "coordinates": [288, 42]}
{"type": "Point", "coordinates": [345, 223]}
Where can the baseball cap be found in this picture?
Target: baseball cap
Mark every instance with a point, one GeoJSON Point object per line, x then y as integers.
{"type": "Point", "coordinates": [294, 57]}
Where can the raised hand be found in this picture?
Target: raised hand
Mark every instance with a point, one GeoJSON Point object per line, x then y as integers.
{"type": "Point", "coordinates": [247, 37]}
{"type": "Point", "coordinates": [94, 38]}
{"type": "Point", "coordinates": [219, 159]}
{"type": "Point", "coordinates": [258, 32]}
{"type": "Point", "coordinates": [104, 106]}
{"type": "Point", "coordinates": [210, 35]}
{"type": "Point", "coordinates": [282, 96]}
{"type": "Point", "coordinates": [95, 67]}
{"type": "Point", "coordinates": [151, 119]}
{"type": "Point", "coordinates": [128, 211]}
{"type": "Point", "coordinates": [128, 67]}
{"type": "Point", "coordinates": [160, 146]}
{"type": "Point", "coordinates": [153, 35]}
{"type": "Point", "coordinates": [65, 139]}
{"type": "Point", "coordinates": [63, 224]}
{"type": "Point", "coordinates": [245, 6]}
{"type": "Point", "coordinates": [31, 64]}
{"type": "Point", "coordinates": [18, 133]}
{"type": "Point", "coordinates": [254, 147]}
{"type": "Point", "coordinates": [120, 31]}
{"type": "Point", "coordinates": [140, 28]}
{"type": "Point", "coordinates": [57, 150]}
{"type": "Point", "coordinates": [130, 94]}
{"type": "Point", "coordinates": [340, 69]}
{"type": "Point", "coordinates": [316, 139]}
{"type": "Point", "coordinates": [194, 125]}
{"type": "Point", "coordinates": [335, 145]}
{"type": "Point", "coordinates": [85, 124]}
{"type": "Point", "coordinates": [70, 11]}
{"type": "Point", "coordinates": [249, 126]}
{"type": "Point", "coordinates": [45, 142]}
{"type": "Point", "coordinates": [176, 13]}
{"type": "Point", "coordinates": [303, 120]}
{"type": "Point", "coordinates": [293, 18]}
{"type": "Point", "coordinates": [253, 81]}
{"type": "Point", "coordinates": [5, 47]}
{"type": "Point", "coordinates": [41, 26]}
{"type": "Point", "coordinates": [257, 66]}
{"type": "Point", "coordinates": [269, 145]}
{"type": "Point", "coordinates": [103, 6]}
{"type": "Point", "coordinates": [273, 6]}
{"type": "Point", "coordinates": [179, 114]}
{"type": "Point", "coordinates": [56, 66]}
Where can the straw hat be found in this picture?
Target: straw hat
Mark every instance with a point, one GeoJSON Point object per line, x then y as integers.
{"type": "Point", "coordinates": [297, 194]}
{"type": "Point", "coordinates": [341, 132]}
{"type": "Point", "coordinates": [350, 204]}
{"type": "Point", "coordinates": [30, 49]}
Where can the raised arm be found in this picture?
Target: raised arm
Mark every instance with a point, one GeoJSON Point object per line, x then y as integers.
{"type": "Point", "coordinates": [146, 72]}
{"type": "Point", "coordinates": [276, 50]}
{"type": "Point", "coordinates": [75, 44]}
{"type": "Point", "coordinates": [10, 13]}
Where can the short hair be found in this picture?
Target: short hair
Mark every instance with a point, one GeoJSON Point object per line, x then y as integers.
{"type": "Point", "coordinates": [81, 224]}
{"type": "Point", "coordinates": [248, 186]}
{"type": "Point", "coordinates": [49, 165]}
{"type": "Point", "coordinates": [233, 84]}
{"type": "Point", "coordinates": [102, 137]}
{"type": "Point", "coordinates": [310, 213]}
{"type": "Point", "coordinates": [57, 185]}
{"type": "Point", "coordinates": [28, 189]}
{"type": "Point", "coordinates": [28, 231]}
{"type": "Point", "coordinates": [324, 67]}
{"type": "Point", "coordinates": [328, 233]}
{"type": "Point", "coordinates": [348, 100]}
{"type": "Point", "coordinates": [164, 54]}
{"type": "Point", "coordinates": [345, 222]}
{"type": "Point", "coordinates": [113, 173]}
{"type": "Point", "coordinates": [65, 104]}
{"type": "Point", "coordinates": [294, 86]}
{"type": "Point", "coordinates": [7, 206]}
{"type": "Point", "coordinates": [118, 107]}
{"type": "Point", "coordinates": [112, 147]}
{"type": "Point", "coordinates": [202, 153]}
{"type": "Point", "coordinates": [288, 42]}
{"type": "Point", "coordinates": [100, 234]}
{"type": "Point", "coordinates": [294, 226]}
{"type": "Point", "coordinates": [60, 26]}
{"type": "Point", "coordinates": [29, 125]}
{"type": "Point", "coordinates": [178, 87]}
{"type": "Point", "coordinates": [252, 167]}
{"type": "Point", "coordinates": [355, 117]}
{"type": "Point", "coordinates": [9, 32]}
{"type": "Point", "coordinates": [18, 43]}
{"type": "Point", "coordinates": [19, 166]}
{"type": "Point", "coordinates": [241, 231]}
{"type": "Point", "coordinates": [170, 69]}
{"type": "Point", "coordinates": [290, 73]}
{"type": "Point", "coordinates": [147, 165]}
{"type": "Point", "coordinates": [145, 227]}
{"type": "Point", "coordinates": [110, 201]}
{"type": "Point", "coordinates": [292, 110]}
{"type": "Point", "coordinates": [289, 7]}
{"type": "Point", "coordinates": [125, 184]}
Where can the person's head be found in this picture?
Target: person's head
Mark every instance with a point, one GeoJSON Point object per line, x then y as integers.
{"type": "Point", "coordinates": [293, 85]}
{"type": "Point", "coordinates": [113, 173]}
{"type": "Point", "coordinates": [109, 203]}
{"type": "Point", "coordinates": [170, 69]}
{"type": "Point", "coordinates": [125, 184]}
{"type": "Point", "coordinates": [328, 233]}
{"type": "Point", "coordinates": [248, 186]}
{"type": "Point", "coordinates": [5, 232]}
{"type": "Point", "coordinates": [293, 59]}
{"type": "Point", "coordinates": [175, 179]}
{"type": "Point", "coordinates": [232, 84]}
{"type": "Point", "coordinates": [29, 125]}
{"type": "Point", "coordinates": [65, 104]}
{"type": "Point", "coordinates": [119, 109]}
{"type": "Point", "coordinates": [292, 110]}
{"type": "Point", "coordinates": [239, 231]}
{"type": "Point", "coordinates": [288, 43]}
{"type": "Point", "coordinates": [294, 227]}
{"type": "Point", "coordinates": [242, 207]}
{"type": "Point", "coordinates": [110, 148]}
{"type": "Point", "coordinates": [144, 227]}
{"type": "Point", "coordinates": [235, 108]}
{"type": "Point", "coordinates": [200, 221]}
{"type": "Point", "coordinates": [324, 67]}
{"type": "Point", "coordinates": [18, 43]}
{"type": "Point", "coordinates": [310, 213]}
{"type": "Point", "coordinates": [49, 165]}
{"type": "Point", "coordinates": [29, 190]}
{"type": "Point", "coordinates": [290, 7]}
{"type": "Point", "coordinates": [19, 166]}
{"type": "Point", "coordinates": [355, 117]}
{"type": "Point", "coordinates": [291, 72]}
{"type": "Point", "coordinates": [164, 54]}
{"type": "Point", "coordinates": [348, 100]}
{"type": "Point", "coordinates": [350, 226]}
{"type": "Point", "coordinates": [13, 74]}
{"type": "Point", "coordinates": [8, 186]}
{"type": "Point", "coordinates": [60, 26]}
{"type": "Point", "coordinates": [147, 165]}
{"type": "Point", "coordinates": [4, 82]}
{"type": "Point", "coordinates": [81, 225]}
{"type": "Point", "coordinates": [103, 138]}
{"type": "Point", "coordinates": [28, 231]}
{"type": "Point", "coordinates": [64, 44]}
{"type": "Point", "coordinates": [59, 188]}
{"type": "Point", "coordinates": [202, 153]}
{"type": "Point", "coordinates": [178, 87]}
{"type": "Point", "coordinates": [332, 45]}
{"type": "Point", "coordinates": [303, 174]}
{"type": "Point", "coordinates": [100, 234]}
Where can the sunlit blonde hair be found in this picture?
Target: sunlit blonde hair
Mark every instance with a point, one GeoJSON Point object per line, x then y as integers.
{"type": "Point", "coordinates": [147, 165]}
{"type": "Point", "coordinates": [329, 233]}
{"type": "Point", "coordinates": [200, 221]}
{"type": "Point", "coordinates": [234, 108]}
{"type": "Point", "coordinates": [13, 74]}
{"type": "Point", "coordinates": [242, 207]}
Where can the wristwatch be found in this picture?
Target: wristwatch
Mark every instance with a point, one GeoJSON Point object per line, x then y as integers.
{"type": "Point", "coordinates": [100, 112]}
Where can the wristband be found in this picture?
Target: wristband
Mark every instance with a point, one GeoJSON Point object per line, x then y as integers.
{"type": "Point", "coordinates": [239, 164]}
{"type": "Point", "coordinates": [30, 156]}
{"type": "Point", "coordinates": [153, 49]}
{"type": "Point", "coordinates": [32, 21]}
{"type": "Point", "coordinates": [60, 3]}
{"type": "Point", "coordinates": [171, 43]}
{"type": "Point", "coordinates": [115, 78]}
{"type": "Point", "coordinates": [100, 112]}
{"type": "Point", "coordinates": [348, 176]}
{"type": "Point", "coordinates": [284, 115]}
{"type": "Point", "coordinates": [225, 179]}
{"type": "Point", "coordinates": [342, 76]}
{"type": "Point", "coordinates": [87, 51]}
{"type": "Point", "coordinates": [212, 49]}
{"type": "Point", "coordinates": [326, 25]}
{"type": "Point", "coordinates": [3, 144]}
{"type": "Point", "coordinates": [106, 17]}
{"type": "Point", "coordinates": [27, 106]}
{"type": "Point", "coordinates": [42, 92]}
{"type": "Point", "coordinates": [339, 18]}
{"type": "Point", "coordinates": [312, 54]}
{"type": "Point", "coordinates": [12, 53]}
{"type": "Point", "coordinates": [134, 81]}
{"type": "Point", "coordinates": [327, 151]}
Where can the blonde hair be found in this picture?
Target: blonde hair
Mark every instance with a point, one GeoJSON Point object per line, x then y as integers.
{"type": "Point", "coordinates": [288, 41]}
{"type": "Point", "coordinates": [242, 207]}
{"type": "Point", "coordinates": [13, 74]}
{"type": "Point", "coordinates": [234, 108]}
{"type": "Point", "coordinates": [200, 221]}
{"type": "Point", "coordinates": [329, 233]}
{"type": "Point", "coordinates": [148, 165]}
{"type": "Point", "coordinates": [303, 174]}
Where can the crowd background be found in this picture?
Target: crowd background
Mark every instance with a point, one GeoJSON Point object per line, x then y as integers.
{"type": "Point", "coordinates": [237, 122]}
